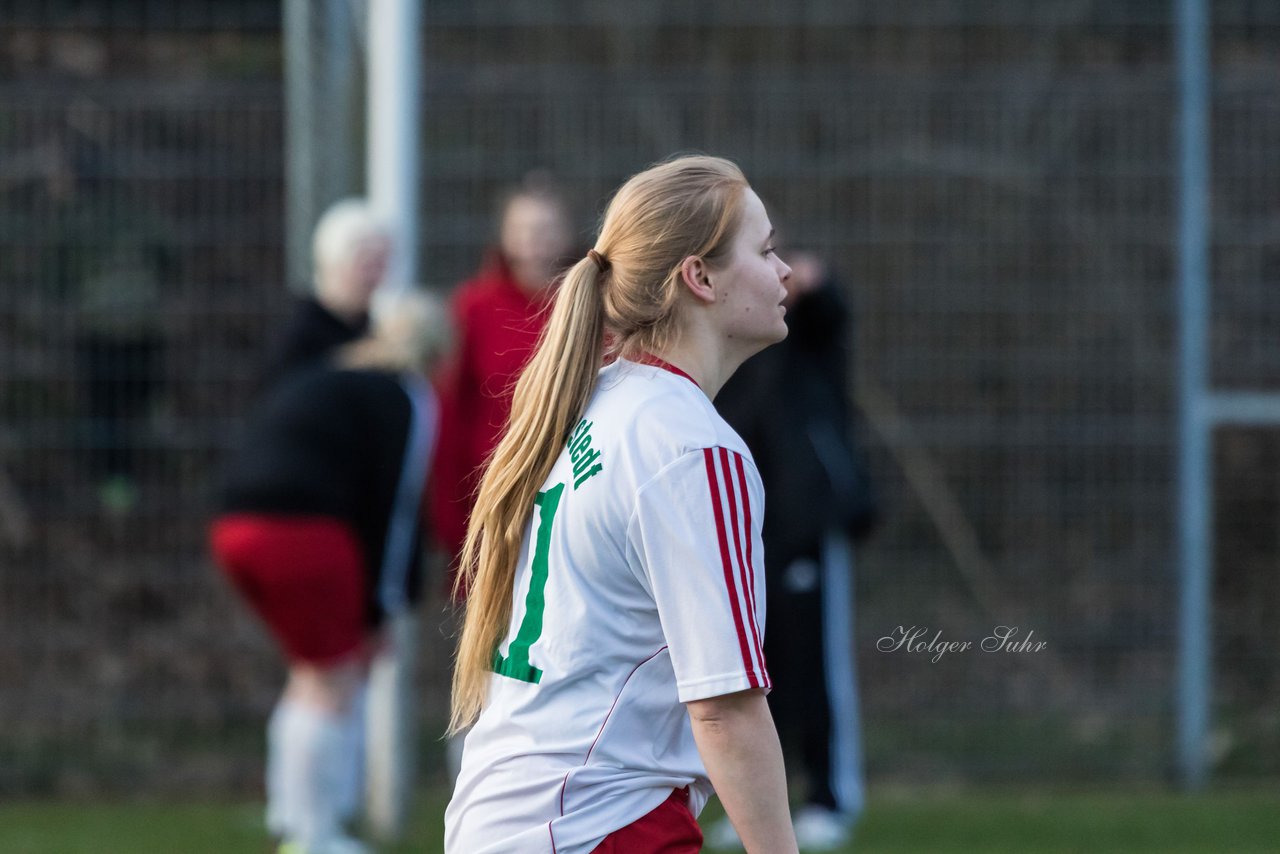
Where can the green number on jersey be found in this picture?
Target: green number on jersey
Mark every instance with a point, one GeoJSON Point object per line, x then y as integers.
{"type": "Point", "coordinates": [516, 664]}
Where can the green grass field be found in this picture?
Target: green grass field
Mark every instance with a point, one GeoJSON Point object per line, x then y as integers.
{"type": "Point", "coordinates": [975, 820]}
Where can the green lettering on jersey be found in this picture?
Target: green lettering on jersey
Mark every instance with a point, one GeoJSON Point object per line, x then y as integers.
{"type": "Point", "coordinates": [585, 458]}
{"type": "Point", "coordinates": [516, 664]}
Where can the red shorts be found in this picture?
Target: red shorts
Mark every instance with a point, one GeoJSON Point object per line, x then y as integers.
{"type": "Point", "coordinates": [669, 829]}
{"type": "Point", "coordinates": [304, 576]}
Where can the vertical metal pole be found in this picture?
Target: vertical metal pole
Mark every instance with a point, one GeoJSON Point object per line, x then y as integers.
{"type": "Point", "coordinates": [1195, 523]}
{"type": "Point", "coordinates": [321, 164]}
{"type": "Point", "coordinates": [338, 130]}
{"type": "Point", "coordinates": [299, 142]}
{"type": "Point", "coordinates": [395, 60]}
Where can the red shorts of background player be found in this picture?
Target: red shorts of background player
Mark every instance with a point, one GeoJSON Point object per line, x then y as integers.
{"type": "Point", "coordinates": [303, 575]}
{"type": "Point", "coordinates": [669, 829]}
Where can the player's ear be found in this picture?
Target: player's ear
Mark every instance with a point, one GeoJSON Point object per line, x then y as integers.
{"type": "Point", "coordinates": [695, 276]}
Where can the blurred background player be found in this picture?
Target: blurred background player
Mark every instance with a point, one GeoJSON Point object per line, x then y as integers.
{"type": "Point", "coordinates": [320, 532]}
{"type": "Point", "coordinates": [791, 406]}
{"type": "Point", "coordinates": [350, 250]}
{"type": "Point", "coordinates": [498, 314]}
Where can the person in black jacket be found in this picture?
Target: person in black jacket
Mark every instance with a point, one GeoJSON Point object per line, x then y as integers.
{"type": "Point", "coordinates": [319, 530]}
{"type": "Point", "coordinates": [790, 405]}
{"type": "Point", "coordinates": [350, 250]}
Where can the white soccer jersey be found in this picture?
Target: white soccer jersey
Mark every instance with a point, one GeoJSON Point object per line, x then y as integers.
{"type": "Point", "coordinates": [639, 587]}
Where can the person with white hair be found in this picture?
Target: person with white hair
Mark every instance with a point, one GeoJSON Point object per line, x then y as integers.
{"type": "Point", "coordinates": [319, 530]}
{"type": "Point", "coordinates": [351, 248]}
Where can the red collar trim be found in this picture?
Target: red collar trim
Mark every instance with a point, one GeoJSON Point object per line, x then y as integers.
{"type": "Point", "coordinates": [650, 359]}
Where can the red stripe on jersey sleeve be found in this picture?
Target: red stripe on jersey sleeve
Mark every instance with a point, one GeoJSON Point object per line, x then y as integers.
{"type": "Point", "coordinates": [751, 568]}
{"type": "Point", "coordinates": [713, 483]}
{"type": "Point", "coordinates": [734, 484]}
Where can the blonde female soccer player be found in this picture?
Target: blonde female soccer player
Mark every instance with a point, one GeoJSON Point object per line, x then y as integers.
{"type": "Point", "coordinates": [611, 656]}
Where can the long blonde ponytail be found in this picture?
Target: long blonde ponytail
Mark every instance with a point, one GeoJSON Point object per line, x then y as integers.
{"type": "Point", "coordinates": [551, 392]}
{"type": "Point", "coordinates": [685, 206]}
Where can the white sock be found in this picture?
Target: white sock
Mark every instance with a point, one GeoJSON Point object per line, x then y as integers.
{"type": "Point", "coordinates": [277, 821]}
{"type": "Point", "coordinates": [305, 763]}
{"type": "Point", "coordinates": [350, 797]}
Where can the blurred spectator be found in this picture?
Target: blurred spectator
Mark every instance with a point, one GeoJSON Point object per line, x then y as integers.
{"type": "Point", "coordinates": [120, 350]}
{"type": "Point", "coordinates": [112, 260]}
{"type": "Point", "coordinates": [790, 405]}
{"type": "Point", "coordinates": [350, 250]}
{"type": "Point", "coordinates": [319, 530]}
{"type": "Point", "coordinates": [499, 314]}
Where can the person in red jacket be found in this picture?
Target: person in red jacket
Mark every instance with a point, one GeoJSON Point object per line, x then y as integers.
{"type": "Point", "coordinates": [498, 315]}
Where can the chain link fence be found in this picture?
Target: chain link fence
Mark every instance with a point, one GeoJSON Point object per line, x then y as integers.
{"type": "Point", "coordinates": [993, 181]}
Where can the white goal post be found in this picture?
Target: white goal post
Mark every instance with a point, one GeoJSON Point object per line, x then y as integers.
{"type": "Point", "coordinates": [330, 46]}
